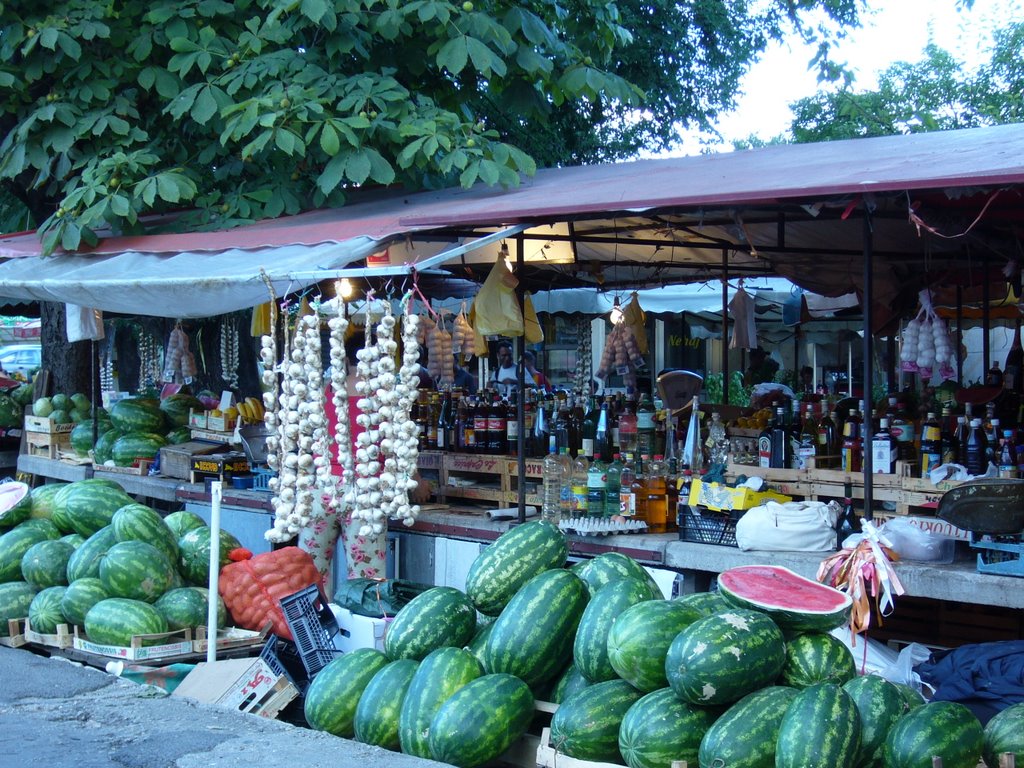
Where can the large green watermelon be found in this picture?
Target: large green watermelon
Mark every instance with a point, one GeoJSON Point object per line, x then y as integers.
{"type": "Point", "coordinates": [136, 570]}
{"type": "Point", "coordinates": [116, 620]}
{"type": "Point", "coordinates": [817, 657]}
{"type": "Point", "coordinates": [189, 607]}
{"type": "Point", "coordinates": [45, 563]}
{"type": "Point", "coordinates": [132, 447]}
{"type": "Point", "coordinates": [137, 522]}
{"type": "Point", "coordinates": [15, 599]}
{"type": "Point", "coordinates": [435, 618]}
{"type": "Point", "coordinates": [85, 561]}
{"type": "Point", "coordinates": [43, 499]}
{"type": "Point", "coordinates": [103, 452]}
{"type": "Point", "coordinates": [880, 705]}
{"type": "Point", "coordinates": [706, 603]}
{"type": "Point", "coordinates": [177, 406]}
{"type": "Point", "coordinates": [15, 503]}
{"type": "Point", "coordinates": [194, 554]}
{"type": "Point", "coordinates": [81, 595]}
{"type": "Point", "coordinates": [746, 734]}
{"type": "Point", "coordinates": [376, 717]}
{"type": "Point", "coordinates": [821, 727]}
{"type": "Point", "coordinates": [138, 415]}
{"type": "Point", "coordinates": [1005, 733]}
{"type": "Point", "coordinates": [590, 649]}
{"type": "Point", "coordinates": [438, 677]}
{"type": "Point", "coordinates": [944, 729]}
{"type": "Point", "coordinates": [586, 725]}
{"type": "Point", "coordinates": [640, 637]}
{"type": "Point", "coordinates": [181, 522]}
{"type": "Point", "coordinates": [569, 683]}
{"type": "Point", "coordinates": [82, 435]}
{"type": "Point", "coordinates": [612, 566]}
{"type": "Point", "coordinates": [659, 728]}
{"type": "Point", "coordinates": [44, 612]}
{"type": "Point", "coordinates": [333, 696]}
{"type": "Point", "coordinates": [90, 504]}
{"type": "Point", "coordinates": [17, 541]}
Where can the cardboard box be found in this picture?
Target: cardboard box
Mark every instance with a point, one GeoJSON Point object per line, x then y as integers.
{"type": "Point", "coordinates": [355, 631]}
{"type": "Point", "coordinates": [723, 497]}
{"type": "Point", "coordinates": [197, 419]}
{"type": "Point", "coordinates": [218, 466]}
{"type": "Point", "coordinates": [176, 460]}
{"type": "Point", "coordinates": [177, 643]}
{"type": "Point", "coordinates": [245, 685]}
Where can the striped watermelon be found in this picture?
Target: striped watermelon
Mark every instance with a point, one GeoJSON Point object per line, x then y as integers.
{"type": "Point", "coordinates": [179, 435]}
{"type": "Point", "coordinates": [706, 603]}
{"type": "Point", "coordinates": [817, 657]}
{"type": "Point", "coordinates": [136, 414]}
{"type": "Point", "coordinates": [43, 499]}
{"type": "Point", "coordinates": [720, 659]}
{"type": "Point", "coordinates": [103, 450]}
{"type": "Point", "coordinates": [188, 607]}
{"type": "Point", "coordinates": [569, 683]}
{"type": "Point", "coordinates": [136, 570]}
{"type": "Point", "coordinates": [45, 563]}
{"type": "Point", "coordinates": [438, 677]}
{"type": "Point", "coordinates": [435, 618]}
{"type": "Point", "coordinates": [481, 720]}
{"type": "Point", "coordinates": [820, 728]}
{"type": "Point", "coordinates": [533, 637]}
{"type": "Point", "coordinates": [880, 705]}
{"type": "Point", "coordinates": [116, 620]}
{"type": "Point", "coordinates": [81, 595]}
{"type": "Point", "coordinates": [81, 436]}
{"type": "Point", "coordinates": [659, 728]}
{"type": "Point", "coordinates": [17, 541]}
{"type": "Point", "coordinates": [90, 504]}
{"type": "Point", "coordinates": [745, 735]}
{"type": "Point", "coordinates": [177, 406]}
{"type": "Point", "coordinates": [137, 522]}
{"type": "Point", "coordinates": [194, 554]}
{"type": "Point", "coordinates": [639, 640]}
{"type": "Point", "coordinates": [1005, 733]}
{"type": "Point", "coordinates": [85, 561]}
{"type": "Point", "coordinates": [515, 558]}
{"type": "Point", "coordinates": [332, 697]}
{"type": "Point", "coordinates": [181, 522]}
{"type": "Point", "coordinates": [943, 729]}
{"type": "Point", "coordinates": [912, 698]}
{"type": "Point", "coordinates": [74, 539]}
{"type": "Point", "coordinates": [15, 503]}
{"type": "Point", "coordinates": [586, 725]}
{"type": "Point", "coordinates": [44, 612]}
{"type": "Point", "coordinates": [133, 447]}
{"type": "Point", "coordinates": [15, 599]}
{"type": "Point", "coordinates": [590, 649]}
{"type": "Point", "coordinates": [796, 604]}
{"type": "Point", "coordinates": [612, 566]}
{"type": "Point", "coordinates": [479, 640]}
{"type": "Point", "coordinates": [376, 717]}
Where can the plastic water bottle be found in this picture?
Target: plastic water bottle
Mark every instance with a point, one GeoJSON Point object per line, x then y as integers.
{"type": "Point", "coordinates": [580, 470]}
{"type": "Point", "coordinates": [555, 472]}
{"type": "Point", "coordinates": [612, 486]}
{"type": "Point", "coordinates": [565, 490]}
{"type": "Point", "coordinates": [596, 479]}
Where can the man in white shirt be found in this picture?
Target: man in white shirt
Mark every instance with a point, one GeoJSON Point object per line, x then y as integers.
{"type": "Point", "coordinates": [506, 377]}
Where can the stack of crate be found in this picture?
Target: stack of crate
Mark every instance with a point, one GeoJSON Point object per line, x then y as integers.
{"type": "Point", "coordinates": [45, 438]}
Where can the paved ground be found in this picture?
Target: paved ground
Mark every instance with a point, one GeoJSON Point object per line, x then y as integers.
{"type": "Point", "coordinates": [56, 714]}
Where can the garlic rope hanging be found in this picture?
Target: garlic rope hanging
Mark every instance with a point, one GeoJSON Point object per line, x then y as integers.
{"type": "Point", "coordinates": [405, 432]}
{"type": "Point", "coordinates": [367, 452]}
{"type": "Point", "coordinates": [287, 427]}
{"type": "Point", "coordinates": [229, 352]}
{"type": "Point", "coordinates": [340, 492]}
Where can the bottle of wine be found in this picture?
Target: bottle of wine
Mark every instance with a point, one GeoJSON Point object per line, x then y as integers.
{"type": "Point", "coordinates": [848, 522]}
{"type": "Point", "coordinates": [1013, 368]}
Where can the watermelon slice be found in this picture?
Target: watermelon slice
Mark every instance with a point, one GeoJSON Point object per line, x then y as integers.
{"type": "Point", "coordinates": [795, 603]}
{"type": "Point", "coordinates": [15, 503]}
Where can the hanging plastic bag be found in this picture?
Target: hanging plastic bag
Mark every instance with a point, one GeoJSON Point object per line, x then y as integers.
{"type": "Point", "coordinates": [534, 331]}
{"type": "Point", "coordinates": [83, 323]}
{"type": "Point", "coordinates": [496, 309]}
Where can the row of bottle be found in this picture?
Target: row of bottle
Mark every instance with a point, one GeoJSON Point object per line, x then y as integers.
{"type": "Point", "coordinates": [645, 488]}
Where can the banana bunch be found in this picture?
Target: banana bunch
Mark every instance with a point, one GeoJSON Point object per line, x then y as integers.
{"type": "Point", "coordinates": [250, 410]}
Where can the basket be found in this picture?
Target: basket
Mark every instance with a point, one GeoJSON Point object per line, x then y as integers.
{"type": "Point", "coordinates": [703, 526]}
{"type": "Point", "coordinates": [313, 628]}
{"type": "Point", "coordinates": [254, 442]}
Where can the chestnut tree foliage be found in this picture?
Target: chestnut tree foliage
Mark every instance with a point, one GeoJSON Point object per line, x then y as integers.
{"type": "Point", "coordinates": [232, 111]}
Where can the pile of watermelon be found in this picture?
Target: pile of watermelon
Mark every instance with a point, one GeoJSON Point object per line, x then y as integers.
{"type": "Point", "coordinates": [86, 554]}
{"type": "Point", "coordinates": [746, 677]}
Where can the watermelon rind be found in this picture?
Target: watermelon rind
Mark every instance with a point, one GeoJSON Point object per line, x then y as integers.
{"type": "Point", "coordinates": [376, 717]}
{"type": "Point", "coordinates": [81, 595]}
{"type": "Point", "coordinates": [15, 503]}
{"type": "Point", "coordinates": [590, 648]}
{"type": "Point", "coordinates": [85, 561]}
{"type": "Point", "coordinates": [1005, 733]}
{"type": "Point", "coordinates": [569, 683]}
{"type": "Point", "coordinates": [481, 720]}
{"type": "Point", "coordinates": [744, 736]}
{"type": "Point", "coordinates": [586, 725]}
{"type": "Point", "coordinates": [45, 564]}
{"type": "Point", "coordinates": [44, 612]}
{"type": "Point", "coordinates": [517, 556]}
{"type": "Point", "coordinates": [194, 554]}
{"type": "Point", "coordinates": [944, 729]}
{"type": "Point", "coordinates": [436, 617]}
{"type": "Point", "coordinates": [817, 657]}
{"type": "Point", "coordinates": [438, 677]}
{"type": "Point", "coordinates": [116, 620]}
{"type": "Point", "coordinates": [795, 603]}
{"type": "Point", "coordinates": [880, 704]}
{"type": "Point", "coordinates": [659, 728]}
{"type": "Point", "coordinates": [136, 570]}
{"type": "Point", "coordinates": [640, 637]}
{"type": "Point", "coordinates": [15, 599]}
{"type": "Point", "coordinates": [333, 696]}
{"type": "Point", "coordinates": [17, 541]}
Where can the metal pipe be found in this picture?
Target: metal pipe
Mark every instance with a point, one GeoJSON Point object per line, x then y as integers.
{"type": "Point", "coordinates": [986, 320]}
{"type": "Point", "coordinates": [868, 361]}
{"type": "Point", "coordinates": [725, 326]}
{"type": "Point", "coordinates": [959, 333]}
{"type": "Point", "coordinates": [521, 384]}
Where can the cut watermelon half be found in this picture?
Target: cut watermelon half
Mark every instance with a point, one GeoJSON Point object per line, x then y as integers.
{"type": "Point", "coordinates": [15, 503]}
{"type": "Point", "coordinates": [795, 603]}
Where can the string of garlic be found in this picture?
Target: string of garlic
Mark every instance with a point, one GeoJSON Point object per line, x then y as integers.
{"type": "Point", "coordinates": [340, 492]}
{"type": "Point", "coordinates": [367, 452]}
{"type": "Point", "coordinates": [405, 432]}
{"type": "Point", "coordinates": [286, 460]}
{"type": "Point", "coordinates": [229, 352]}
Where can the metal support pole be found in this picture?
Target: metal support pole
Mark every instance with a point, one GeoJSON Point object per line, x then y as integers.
{"type": "Point", "coordinates": [986, 320]}
{"type": "Point", "coordinates": [959, 333]}
{"type": "Point", "coordinates": [521, 384]}
{"type": "Point", "coordinates": [868, 361]}
{"type": "Point", "coordinates": [725, 326]}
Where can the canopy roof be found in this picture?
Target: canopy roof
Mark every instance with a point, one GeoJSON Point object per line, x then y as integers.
{"type": "Point", "coordinates": [939, 203]}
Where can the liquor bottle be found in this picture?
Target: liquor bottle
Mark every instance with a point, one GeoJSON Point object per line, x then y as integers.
{"type": "Point", "coordinates": [807, 447]}
{"type": "Point", "coordinates": [884, 449]}
{"type": "Point", "coordinates": [718, 441]}
{"type": "Point", "coordinates": [580, 468]}
{"type": "Point", "coordinates": [977, 444]}
{"type": "Point", "coordinates": [848, 523]}
{"type": "Point", "coordinates": [960, 439]}
{"type": "Point", "coordinates": [628, 428]}
{"type": "Point", "coordinates": [950, 454]}
{"type": "Point", "coordinates": [851, 454]}
{"type": "Point", "coordinates": [576, 416]}
{"type": "Point", "coordinates": [902, 428]}
{"type": "Point", "coordinates": [671, 452]}
{"type": "Point", "coordinates": [639, 489]}
{"type": "Point", "coordinates": [645, 430]}
{"type": "Point", "coordinates": [481, 438]}
{"type": "Point", "coordinates": [512, 424]}
{"type": "Point", "coordinates": [565, 490]}
{"type": "Point", "coordinates": [657, 495]}
{"type": "Point", "coordinates": [433, 415]}
{"type": "Point", "coordinates": [596, 479]}
{"type": "Point", "coordinates": [931, 444]}
{"type": "Point", "coordinates": [613, 486]}
{"type": "Point", "coordinates": [497, 426]}
{"type": "Point", "coordinates": [627, 479]}
{"type": "Point", "coordinates": [541, 430]}
{"type": "Point", "coordinates": [780, 450]}
{"type": "Point", "coordinates": [661, 417]}
{"type": "Point", "coordinates": [1008, 456]}
{"type": "Point", "coordinates": [764, 444]}
{"type": "Point", "coordinates": [589, 431]}
{"type": "Point", "coordinates": [827, 456]}
{"type": "Point", "coordinates": [1013, 368]}
{"type": "Point", "coordinates": [603, 437]}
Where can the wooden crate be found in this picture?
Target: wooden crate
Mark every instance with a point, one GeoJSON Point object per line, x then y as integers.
{"type": "Point", "coordinates": [140, 469]}
{"type": "Point", "coordinates": [176, 460]}
{"type": "Point", "coordinates": [47, 445]}
{"type": "Point", "coordinates": [483, 477]}
{"type": "Point", "coordinates": [63, 638]}
{"type": "Point", "coordinates": [46, 426]}
{"type": "Point", "coordinates": [549, 757]}
{"type": "Point", "coordinates": [171, 645]}
{"type": "Point", "coordinates": [15, 634]}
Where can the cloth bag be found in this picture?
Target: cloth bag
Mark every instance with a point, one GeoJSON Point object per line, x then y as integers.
{"type": "Point", "coordinates": [793, 526]}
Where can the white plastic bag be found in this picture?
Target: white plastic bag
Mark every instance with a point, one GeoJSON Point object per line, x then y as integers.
{"type": "Point", "coordinates": [83, 323]}
{"type": "Point", "coordinates": [795, 526]}
{"type": "Point", "coordinates": [914, 543]}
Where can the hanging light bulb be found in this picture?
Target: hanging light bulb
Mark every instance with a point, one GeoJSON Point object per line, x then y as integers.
{"type": "Point", "coordinates": [616, 314]}
{"type": "Point", "coordinates": [346, 288]}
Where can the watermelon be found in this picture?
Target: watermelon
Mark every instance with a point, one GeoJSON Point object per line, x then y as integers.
{"type": "Point", "coordinates": [1005, 733]}
{"type": "Point", "coordinates": [640, 637]}
{"type": "Point", "coordinates": [17, 541]}
{"type": "Point", "coordinates": [879, 704]}
{"type": "Point", "coordinates": [820, 728]}
{"type": "Point", "coordinates": [179, 435]}
{"type": "Point", "coordinates": [74, 539]}
{"type": "Point", "coordinates": [721, 658]}
{"type": "Point", "coordinates": [43, 500]}
{"type": "Point", "coordinates": [795, 603]}
{"type": "Point", "coordinates": [438, 677]}
{"type": "Point", "coordinates": [612, 566]}
{"type": "Point", "coordinates": [136, 414]}
{"type": "Point", "coordinates": [22, 394]}
{"type": "Point", "coordinates": [11, 414]}
{"type": "Point", "coordinates": [435, 618]}
{"type": "Point", "coordinates": [586, 725]}
{"type": "Point", "coordinates": [481, 720]}
{"type": "Point", "coordinates": [44, 612]}
{"type": "Point", "coordinates": [81, 595]}
{"type": "Point", "coordinates": [479, 640]}
{"type": "Point", "coordinates": [177, 406]}
{"type": "Point", "coordinates": [132, 447]}
{"type": "Point", "coordinates": [590, 649]}
{"type": "Point", "coordinates": [81, 436]}
{"type": "Point", "coordinates": [817, 657]}
{"type": "Point", "coordinates": [569, 683]}
{"type": "Point", "coordinates": [85, 561]}
{"type": "Point", "coordinates": [61, 402]}
{"type": "Point", "coordinates": [136, 570]}
{"type": "Point", "coordinates": [90, 504]}
{"type": "Point", "coordinates": [45, 564]}
{"type": "Point", "coordinates": [61, 417]}
{"type": "Point", "coordinates": [187, 607]}
{"type": "Point", "coordinates": [943, 729]}
{"type": "Point", "coordinates": [15, 599]}
{"type": "Point", "coordinates": [515, 558]}
{"type": "Point", "coordinates": [332, 697]}
{"type": "Point", "coordinates": [116, 620]}
{"type": "Point", "coordinates": [745, 735]}
{"type": "Point", "coordinates": [706, 603]}
{"type": "Point", "coordinates": [376, 717]}
{"type": "Point", "coordinates": [659, 728]}
{"type": "Point", "coordinates": [194, 554]}
{"type": "Point", "coordinates": [15, 503]}
{"type": "Point", "coordinates": [42, 407]}
{"type": "Point", "coordinates": [103, 450]}
{"type": "Point", "coordinates": [912, 698]}
{"type": "Point", "coordinates": [137, 522]}
{"type": "Point", "coordinates": [533, 637]}
{"type": "Point", "coordinates": [182, 522]}
{"type": "Point", "coordinates": [81, 401]}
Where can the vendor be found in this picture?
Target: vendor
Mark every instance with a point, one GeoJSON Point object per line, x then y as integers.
{"type": "Point", "coordinates": [506, 377]}
{"type": "Point", "coordinates": [539, 379]}
{"type": "Point", "coordinates": [762, 368]}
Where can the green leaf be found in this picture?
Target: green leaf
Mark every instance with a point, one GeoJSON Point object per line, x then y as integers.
{"type": "Point", "coordinates": [483, 58]}
{"type": "Point", "coordinates": [408, 154]}
{"type": "Point", "coordinates": [535, 30]}
{"type": "Point", "coordinates": [329, 142]}
{"type": "Point", "coordinates": [146, 189]}
{"type": "Point", "coordinates": [71, 237]}
{"type": "Point", "coordinates": [489, 172]}
{"type": "Point", "coordinates": [285, 141]}
{"type": "Point", "coordinates": [167, 188]}
{"type": "Point", "coordinates": [357, 169]}
{"type": "Point", "coordinates": [146, 78]}
{"type": "Point", "coordinates": [118, 126]}
{"type": "Point", "coordinates": [205, 106]}
{"type": "Point", "coordinates": [532, 62]}
{"type": "Point", "coordinates": [313, 10]}
{"type": "Point", "coordinates": [468, 177]}
{"type": "Point", "coordinates": [48, 38]}
{"type": "Point", "coordinates": [380, 169]}
{"type": "Point", "coordinates": [7, 80]}
{"type": "Point", "coordinates": [332, 174]}
{"type": "Point", "coordinates": [120, 206]}
{"type": "Point", "coordinates": [70, 46]}
{"type": "Point", "coordinates": [183, 45]}
{"type": "Point", "coordinates": [453, 55]}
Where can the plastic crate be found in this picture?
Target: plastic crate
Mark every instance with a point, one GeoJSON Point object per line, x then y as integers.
{"type": "Point", "coordinates": [283, 659]}
{"type": "Point", "coordinates": [703, 526]}
{"type": "Point", "coordinates": [1001, 555]}
{"type": "Point", "coordinates": [721, 497]}
{"type": "Point", "coordinates": [313, 627]}
{"type": "Point", "coordinates": [261, 478]}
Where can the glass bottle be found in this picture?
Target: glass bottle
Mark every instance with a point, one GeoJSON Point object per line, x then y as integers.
{"type": "Point", "coordinates": [639, 489]}
{"type": "Point", "coordinates": [657, 495]}
{"type": "Point", "coordinates": [433, 416]}
{"type": "Point", "coordinates": [596, 479]}
{"type": "Point", "coordinates": [613, 486]}
{"type": "Point", "coordinates": [827, 453]}
{"type": "Point", "coordinates": [960, 439]}
{"type": "Point", "coordinates": [604, 437]}
{"type": "Point", "coordinates": [497, 426]}
{"type": "Point", "coordinates": [852, 446]}
{"type": "Point", "coordinates": [848, 523]}
{"type": "Point", "coordinates": [883, 449]}
{"type": "Point", "coordinates": [541, 429]}
{"type": "Point", "coordinates": [1013, 368]}
{"type": "Point", "coordinates": [807, 448]}
{"type": "Point", "coordinates": [645, 429]}
{"type": "Point", "coordinates": [628, 428]}
{"type": "Point", "coordinates": [764, 444]}
{"type": "Point", "coordinates": [627, 495]}
{"type": "Point", "coordinates": [589, 430]}
{"type": "Point", "coordinates": [931, 444]}
{"type": "Point", "coordinates": [950, 454]}
{"type": "Point", "coordinates": [1008, 456]}
{"type": "Point", "coordinates": [481, 436]}
{"type": "Point", "coordinates": [780, 441]}
{"type": "Point", "coordinates": [976, 449]}
{"type": "Point", "coordinates": [512, 424]}
{"type": "Point", "coordinates": [445, 422]}
{"type": "Point", "coordinates": [718, 441]}
{"type": "Point", "coordinates": [671, 453]}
